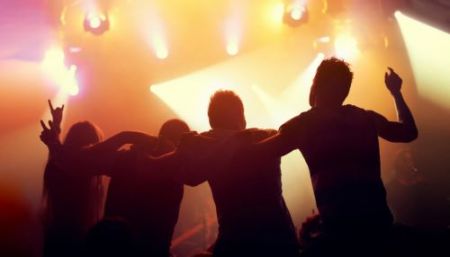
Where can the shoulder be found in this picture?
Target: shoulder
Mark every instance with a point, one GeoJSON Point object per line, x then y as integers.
{"type": "Point", "coordinates": [356, 109]}
{"type": "Point", "coordinates": [258, 134]}
{"type": "Point", "coordinates": [206, 133]}
{"type": "Point", "coordinates": [297, 121]}
{"type": "Point", "coordinates": [360, 112]}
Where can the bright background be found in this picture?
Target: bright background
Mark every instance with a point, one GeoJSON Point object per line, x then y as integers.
{"type": "Point", "coordinates": [162, 59]}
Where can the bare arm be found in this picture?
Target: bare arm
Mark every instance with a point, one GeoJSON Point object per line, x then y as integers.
{"type": "Point", "coordinates": [100, 156]}
{"type": "Point", "coordinates": [195, 159]}
{"type": "Point", "coordinates": [97, 159]}
{"type": "Point", "coordinates": [287, 139]}
{"type": "Point", "coordinates": [200, 156]}
{"type": "Point", "coordinates": [404, 130]}
{"type": "Point", "coordinates": [274, 146]}
{"type": "Point", "coordinates": [161, 165]}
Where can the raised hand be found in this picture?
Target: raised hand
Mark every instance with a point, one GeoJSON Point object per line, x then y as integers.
{"type": "Point", "coordinates": [57, 114]}
{"type": "Point", "coordinates": [393, 81]}
{"type": "Point", "coordinates": [48, 136]}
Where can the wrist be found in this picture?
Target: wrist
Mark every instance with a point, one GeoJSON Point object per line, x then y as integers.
{"type": "Point", "coordinates": [396, 94]}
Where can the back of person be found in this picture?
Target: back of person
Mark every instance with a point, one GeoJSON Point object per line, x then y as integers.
{"type": "Point", "coordinates": [340, 146]}
{"type": "Point", "coordinates": [253, 217]}
{"type": "Point", "coordinates": [72, 198]}
{"type": "Point", "coordinates": [150, 204]}
{"type": "Point", "coordinates": [67, 212]}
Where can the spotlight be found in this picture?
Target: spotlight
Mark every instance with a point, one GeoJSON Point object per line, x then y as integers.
{"type": "Point", "coordinates": [162, 54]}
{"type": "Point", "coordinates": [160, 47]}
{"type": "Point", "coordinates": [295, 14]}
{"type": "Point", "coordinates": [346, 47]}
{"type": "Point", "coordinates": [322, 44]}
{"type": "Point", "coordinates": [97, 24]}
{"type": "Point", "coordinates": [232, 48]}
{"type": "Point", "coordinates": [56, 70]}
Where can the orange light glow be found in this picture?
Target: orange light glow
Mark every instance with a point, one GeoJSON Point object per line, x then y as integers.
{"type": "Point", "coordinates": [232, 48]}
{"type": "Point", "coordinates": [160, 48]}
{"type": "Point", "coordinates": [346, 47]}
{"type": "Point", "coordinates": [54, 68]}
{"type": "Point", "coordinates": [297, 12]}
{"type": "Point", "coordinates": [277, 11]}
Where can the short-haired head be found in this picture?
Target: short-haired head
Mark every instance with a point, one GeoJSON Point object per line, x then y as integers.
{"type": "Point", "coordinates": [173, 130]}
{"type": "Point", "coordinates": [226, 111]}
{"type": "Point", "coordinates": [331, 83]}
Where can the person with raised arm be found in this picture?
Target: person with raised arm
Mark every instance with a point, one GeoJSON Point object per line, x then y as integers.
{"type": "Point", "coordinates": [73, 188]}
{"type": "Point", "coordinates": [340, 146]}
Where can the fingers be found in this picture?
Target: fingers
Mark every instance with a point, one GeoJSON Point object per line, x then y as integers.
{"type": "Point", "coordinates": [52, 109]}
{"type": "Point", "coordinates": [50, 123]}
{"type": "Point", "coordinates": [50, 105]}
{"type": "Point", "coordinates": [44, 127]}
{"type": "Point", "coordinates": [392, 72]}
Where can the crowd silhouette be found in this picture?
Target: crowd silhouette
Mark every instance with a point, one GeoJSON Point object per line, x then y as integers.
{"type": "Point", "coordinates": [242, 167]}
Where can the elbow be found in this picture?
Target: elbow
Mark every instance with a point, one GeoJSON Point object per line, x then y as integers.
{"type": "Point", "coordinates": [415, 134]}
{"type": "Point", "coordinates": [411, 135]}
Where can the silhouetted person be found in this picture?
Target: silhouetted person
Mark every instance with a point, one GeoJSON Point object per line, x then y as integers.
{"type": "Point", "coordinates": [252, 214]}
{"type": "Point", "coordinates": [111, 237]}
{"type": "Point", "coordinates": [72, 201]}
{"type": "Point", "coordinates": [71, 188]}
{"type": "Point", "coordinates": [149, 203]}
{"type": "Point", "coordinates": [340, 145]}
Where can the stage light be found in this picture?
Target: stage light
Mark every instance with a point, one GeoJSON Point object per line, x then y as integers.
{"type": "Point", "coordinates": [346, 47]}
{"type": "Point", "coordinates": [324, 39]}
{"type": "Point", "coordinates": [96, 23]}
{"type": "Point", "coordinates": [322, 44]}
{"type": "Point", "coordinates": [295, 13]}
{"type": "Point", "coordinates": [428, 49]}
{"type": "Point", "coordinates": [162, 54]}
{"type": "Point", "coordinates": [232, 48]}
{"type": "Point", "coordinates": [53, 64]}
{"type": "Point", "coordinates": [160, 47]}
{"type": "Point", "coordinates": [233, 35]}
{"type": "Point", "coordinates": [70, 85]}
{"type": "Point", "coordinates": [54, 67]}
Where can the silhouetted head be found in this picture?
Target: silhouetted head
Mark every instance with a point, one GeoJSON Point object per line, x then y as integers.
{"type": "Point", "coordinates": [226, 111]}
{"type": "Point", "coordinates": [173, 130]}
{"type": "Point", "coordinates": [331, 83]}
{"type": "Point", "coordinates": [83, 134]}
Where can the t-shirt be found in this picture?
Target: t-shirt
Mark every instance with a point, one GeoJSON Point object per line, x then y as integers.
{"type": "Point", "coordinates": [341, 149]}
{"type": "Point", "coordinates": [251, 210]}
{"type": "Point", "coordinates": [151, 206]}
